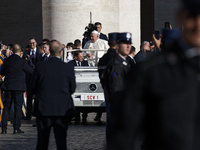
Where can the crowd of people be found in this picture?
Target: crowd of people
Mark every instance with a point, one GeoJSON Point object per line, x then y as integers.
{"type": "Point", "coordinates": [152, 97]}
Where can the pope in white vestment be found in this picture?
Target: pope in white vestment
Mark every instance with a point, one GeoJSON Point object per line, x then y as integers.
{"type": "Point", "coordinates": [97, 44]}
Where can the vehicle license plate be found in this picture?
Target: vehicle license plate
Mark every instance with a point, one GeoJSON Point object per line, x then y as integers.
{"type": "Point", "coordinates": [92, 97]}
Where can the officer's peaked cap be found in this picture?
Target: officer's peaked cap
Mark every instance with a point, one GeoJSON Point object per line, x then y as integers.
{"type": "Point", "coordinates": [114, 36]}
{"type": "Point", "coordinates": [125, 37]}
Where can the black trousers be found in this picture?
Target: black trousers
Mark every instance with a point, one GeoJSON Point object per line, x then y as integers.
{"type": "Point", "coordinates": [17, 97]}
{"type": "Point", "coordinates": [60, 126]}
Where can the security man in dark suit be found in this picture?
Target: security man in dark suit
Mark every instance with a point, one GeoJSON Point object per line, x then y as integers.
{"type": "Point", "coordinates": [102, 36]}
{"type": "Point", "coordinates": [53, 83]}
{"type": "Point", "coordinates": [131, 56]}
{"type": "Point", "coordinates": [115, 78]}
{"type": "Point", "coordinates": [46, 49]}
{"type": "Point", "coordinates": [33, 57]}
{"type": "Point", "coordinates": [79, 59]}
{"type": "Point", "coordinates": [32, 54]}
{"type": "Point", "coordinates": [164, 99]}
{"type": "Point", "coordinates": [14, 69]}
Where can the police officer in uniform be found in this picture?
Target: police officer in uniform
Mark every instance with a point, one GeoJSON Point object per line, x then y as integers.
{"type": "Point", "coordinates": [163, 96]}
{"type": "Point", "coordinates": [103, 61]}
{"type": "Point", "coordinates": [114, 78]}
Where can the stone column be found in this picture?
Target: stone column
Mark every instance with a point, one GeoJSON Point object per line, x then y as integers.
{"type": "Point", "coordinates": [65, 20]}
{"type": "Point", "coordinates": [130, 19]}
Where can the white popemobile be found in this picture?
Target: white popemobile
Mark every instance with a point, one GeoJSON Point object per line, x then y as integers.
{"type": "Point", "coordinates": [89, 94]}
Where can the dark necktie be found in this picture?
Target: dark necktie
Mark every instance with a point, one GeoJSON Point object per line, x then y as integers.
{"type": "Point", "coordinates": [45, 58]}
{"type": "Point", "coordinates": [79, 63]}
{"type": "Point", "coordinates": [134, 60]}
{"type": "Point", "coordinates": [33, 56]}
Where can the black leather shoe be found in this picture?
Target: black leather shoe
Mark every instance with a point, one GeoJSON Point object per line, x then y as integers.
{"type": "Point", "coordinates": [18, 131]}
{"type": "Point", "coordinates": [3, 132]}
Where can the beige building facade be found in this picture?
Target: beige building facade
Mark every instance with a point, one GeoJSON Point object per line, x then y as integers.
{"type": "Point", "coordinates": [65, 20]}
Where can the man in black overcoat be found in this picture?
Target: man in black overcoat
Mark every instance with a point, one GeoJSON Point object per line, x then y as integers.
{"type": "Point", "coordinates": [14, 69]}
{"type": "Point", "coordinates": [162, 98]}
{"type": "Point", "coordinates": [103, 61]}
{"type": "Point", "coordinates": [114, 81]}
{"type": "Point", "coordinates": [53, 83]}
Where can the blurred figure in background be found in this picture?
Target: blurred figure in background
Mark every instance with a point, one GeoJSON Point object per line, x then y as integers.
{"type": "Point", "coordinates": [77, 44]}
{"type": "Point", "coordinates": [162, 97]}
{"type": "Point", "coordinates": [70, 46]}
{"type": "Point", "coordinates": [143, 53]}
{"type": "Point", "coordinates": [131, 56]}
{"type": "Point", "coordinates": [102, 36]}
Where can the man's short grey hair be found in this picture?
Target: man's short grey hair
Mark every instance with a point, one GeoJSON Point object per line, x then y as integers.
{"type": "Point", "coordinates": [144, 43]}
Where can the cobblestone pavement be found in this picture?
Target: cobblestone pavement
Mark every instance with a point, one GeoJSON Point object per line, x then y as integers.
{"type": "Point", "coordinates": [80, 137]}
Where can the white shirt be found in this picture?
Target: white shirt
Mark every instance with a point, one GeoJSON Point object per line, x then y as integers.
{"type": "Point", "coordinates": [77, 63]}
{"type": "Point", "coordinates": [34, 52]}
{"type": "Point", "coordinates": [69, 57]}
{"type": "Point", "coordinates": [132, 58]}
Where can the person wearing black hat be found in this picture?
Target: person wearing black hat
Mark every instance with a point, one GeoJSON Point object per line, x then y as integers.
{"type": "Point", "coordinates": [162, 97]}
{"type": "Point", "coordinates": [114, 81]}
{"type": "Point", "coordinates": [103, 61]}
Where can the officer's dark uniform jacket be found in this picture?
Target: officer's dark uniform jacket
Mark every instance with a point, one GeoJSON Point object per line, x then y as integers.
{"type": "Point", "coordinates": [103, 61]}
{"type": "Point", "coordinates": [114, 77]}
{"type": "Point", "coordinates": [163, 98]}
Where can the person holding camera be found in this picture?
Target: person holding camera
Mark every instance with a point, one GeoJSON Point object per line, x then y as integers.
{"type": "Point", "coordinates": [144, 53]}
{"type": "Point", "coordinates": [162, 97]}
{"type": "Point", "coordinates": [6, 50]}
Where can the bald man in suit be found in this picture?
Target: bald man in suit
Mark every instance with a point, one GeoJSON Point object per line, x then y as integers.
{"type": "Point", "coordinates": [14, 69]}
{"type": "Point", "coordinates": [53, 83]}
